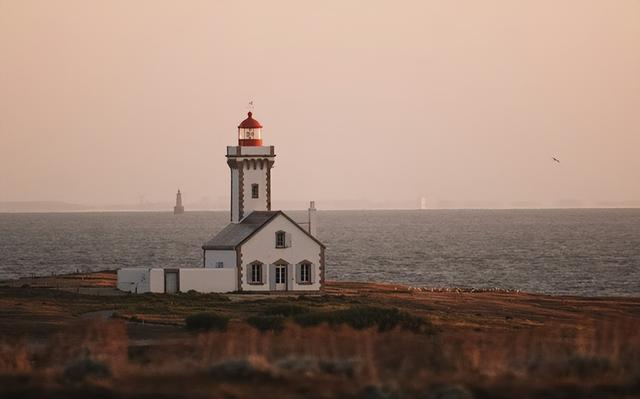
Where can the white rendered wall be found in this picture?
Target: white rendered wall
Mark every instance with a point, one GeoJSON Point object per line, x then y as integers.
{"type": "Point", "coordinates": [156, 280]}
{"type": "Point", "coordinates": [141, 280]}
{"type": "Point", "coordinates": [262, 247]}
{"type": "Point", "coordinates": [208, 280]}
{"type": "Point", "coordinates": [235, 195]}
{"type": "Point", "coordinates": [211, 257]}
{"type": "Point", "coordinates": [135, 280]}
{"type": "Point", "coordinates": [255, 176]}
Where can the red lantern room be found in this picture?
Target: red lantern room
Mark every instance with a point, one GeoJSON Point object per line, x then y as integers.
{"type": "Point", "coordinates": [250, 132]}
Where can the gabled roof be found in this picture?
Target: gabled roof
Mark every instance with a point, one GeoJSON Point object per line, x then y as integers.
{"type": "Point", "coordinates": [235, 234]}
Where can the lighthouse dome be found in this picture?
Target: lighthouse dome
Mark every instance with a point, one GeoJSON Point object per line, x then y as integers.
{"type": "Point", "coordinates": [250, 132]}
{"type": "Point", "coordinates": [250, 123]}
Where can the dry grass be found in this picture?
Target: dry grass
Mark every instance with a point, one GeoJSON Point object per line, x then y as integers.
{"type": "Point", "coordinates": [601, 359]}
{"type": "Point", "coordinates": [485, 345]}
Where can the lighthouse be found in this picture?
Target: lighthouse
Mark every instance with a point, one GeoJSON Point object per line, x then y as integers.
{"type": "Point", "coordinates": [250, 164]}
{"type": "Point", "coordinates": [266, 248]}
{"type": "Point", "coordinates": [261, 250]}
{"type": "Point", "coordinates": [178, 209]}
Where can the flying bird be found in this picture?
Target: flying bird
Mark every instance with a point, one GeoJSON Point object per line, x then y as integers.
{"type": "Point", "coordinates": [555, 159]}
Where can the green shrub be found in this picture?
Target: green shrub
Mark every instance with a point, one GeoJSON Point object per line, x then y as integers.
{"type": "Point", "coordinates": [311, 365]}
{"type": "Point", "coordinates": [273, 323]}
{"type": "Point", "coordinates": [312, 319]}
{"type": "Point", "coordinates": [242, 369]}
{"type": "Point", "coordinates": [82, 369]}
{"type": "Point", "coordinates": [285, 309]}
{"type": "Point", "coordinates": [360, 317]}
{"type": "Point", "coordinates": [587, 367]}
{"type": "Point", "coordinates": [206, 322]}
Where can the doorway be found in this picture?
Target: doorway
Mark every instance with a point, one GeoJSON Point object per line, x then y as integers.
{"type": "Point", "coordinates": [281, 277]}
{"type": "Point", "coordinates": [171, 281]}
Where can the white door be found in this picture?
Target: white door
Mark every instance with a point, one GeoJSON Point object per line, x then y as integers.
{"type": "Point", "coordinates": [281, 277]}
{"type": "Point", "coordinates": [171, 282]}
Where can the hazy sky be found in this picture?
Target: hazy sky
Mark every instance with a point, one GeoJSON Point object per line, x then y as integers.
{"type": "Point", "coordinates": [463, 102]}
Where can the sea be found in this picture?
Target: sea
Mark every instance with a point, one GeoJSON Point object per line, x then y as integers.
{"type": "Point", "coordinates": [583, 252]}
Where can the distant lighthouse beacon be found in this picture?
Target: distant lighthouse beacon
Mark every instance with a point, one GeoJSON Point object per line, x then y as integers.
{"type": "Point", "coordinates": [250, 163]}
{"type": "Point", "coordinates": [178, 209]}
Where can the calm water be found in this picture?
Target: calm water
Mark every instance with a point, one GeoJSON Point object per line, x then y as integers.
{"type": "Point", "coordinates": [581, 252]}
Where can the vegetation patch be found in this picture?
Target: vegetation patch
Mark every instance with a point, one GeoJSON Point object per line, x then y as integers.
{"type": "Point", "coordinates": [285, 310]}
{"type": "Point", "coordinates": [361, 317]}
{"type": "Point", "coordinates": [83, 369]}
{"type": "Point", "coordinates": [242, 369]}
{"type": "Point", "coordinates": [206, 321]}
{"type": "Point", "coordinates": [273, 323]}
{"type": "Point", "coordinates": [308, 365]}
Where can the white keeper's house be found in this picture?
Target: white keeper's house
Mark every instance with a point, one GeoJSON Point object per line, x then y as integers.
{"type": "Point", "coordinates": [260, 250]}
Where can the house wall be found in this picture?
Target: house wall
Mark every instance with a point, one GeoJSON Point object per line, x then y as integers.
{"type": "Point", "coordinates": [226, 257]}
{"type": "Point", "coordinates": [262, 247]}
{"type": "Point", "coordinates": [208, 280]}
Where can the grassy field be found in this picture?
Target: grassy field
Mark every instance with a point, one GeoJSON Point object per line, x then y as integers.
{"type": "Point", "coordinates": [75, 336]}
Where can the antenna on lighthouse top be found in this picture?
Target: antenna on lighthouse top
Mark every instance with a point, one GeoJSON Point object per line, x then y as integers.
{"type": "Point", "coordinates": [250, 105]}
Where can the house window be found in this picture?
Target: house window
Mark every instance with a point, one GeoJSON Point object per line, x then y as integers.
{"type": "Point", "coordinates": [281, 239]}
{"type": "Point", "coordinates": [254, 191]}
{"type": "Point", "coordinates": [305, 272]}
{"type": "Point", "coordinates": [256, 273]}
{"type": "Point", "coordinates": [219, 265]}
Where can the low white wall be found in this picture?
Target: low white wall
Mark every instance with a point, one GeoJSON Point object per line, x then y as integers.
{"type": "Point", "coordinates": [135, 280]}
{"type": "Point", "coordinates": [156, 281]}
{"type": "Point", "coordinates": [140, 280]}
{"type": "Point", "coordinates": [208, 280]}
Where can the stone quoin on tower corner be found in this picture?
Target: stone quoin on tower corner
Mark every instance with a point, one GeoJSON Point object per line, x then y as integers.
{"type": "Point", "coordinates": [260, 250]}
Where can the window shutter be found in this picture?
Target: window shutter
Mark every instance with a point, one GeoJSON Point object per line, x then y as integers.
{"type": "Point", "coordinates": [263, 278]}
{"type": "Point", "coordinates": [272, 277]}
{"type": "Point", "coordinates": [312, 275]}
{"type": "Point", "coordinates": [287, 238]}
{"type": "Point", "coordinates": [299, 273]}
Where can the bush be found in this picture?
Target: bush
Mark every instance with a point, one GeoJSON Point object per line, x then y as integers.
{"type": "Point", "coordinates": [267, 323]}
{"type": "Point", "coordinates": [285, 309]}
{"type": "Point", "coordinates": [448, 392]}
{"type": "Point", "coordinates": [312, 365]}
{"type": "Point", "coordinates": [360, 317]}
{"type": "Point", "coordinates": [587, 367]}
{"type": "Point", "coordinates": [80, 370]}
{"type": "Point", "coordinates": [206, 322]}
{"type": "Point", "coordinates": [242, 369]}
{"type": "Point", "coordinates": [375, 392]}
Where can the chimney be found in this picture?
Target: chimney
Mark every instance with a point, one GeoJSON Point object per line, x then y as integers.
{"type": "Point", "coordinates": [313, 219]}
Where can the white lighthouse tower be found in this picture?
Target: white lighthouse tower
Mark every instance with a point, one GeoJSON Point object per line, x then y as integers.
{"type": "Point", "coordinates": [250, 163]}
